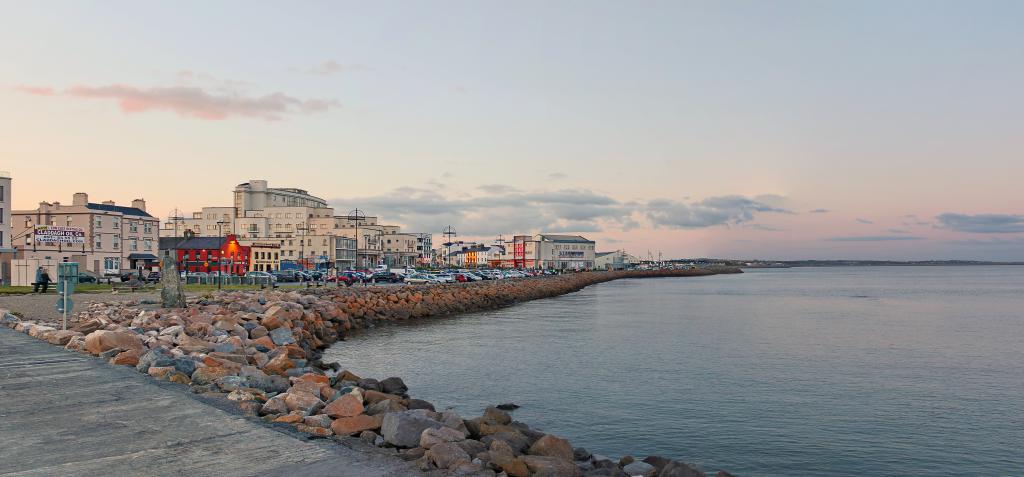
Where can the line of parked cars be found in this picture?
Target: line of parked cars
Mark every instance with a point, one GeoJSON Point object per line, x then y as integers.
{"type": "Point", "coordinates": [464, 276]}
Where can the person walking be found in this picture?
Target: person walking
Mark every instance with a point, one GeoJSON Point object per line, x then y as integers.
{"type": "Point", "coordinates": [42, 280]}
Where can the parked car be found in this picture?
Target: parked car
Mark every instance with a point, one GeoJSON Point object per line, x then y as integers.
{"type": "Point", "coordinates": [386, 277]}
{"type": "Point", "coordinates": [86, 278]}
{"type": "Point", "coordinates": [345, 278]}
{"type": "Point", "coordinates": [419, 279]}
{"type": "Point", "coordinates": [261, 277]}
{"type": "Point", "coordinates": [153, 277]}
{"type": "Point", "coordinates": [445, 277]}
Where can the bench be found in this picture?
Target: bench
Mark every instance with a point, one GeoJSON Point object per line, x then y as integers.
{"type": "Point", "coordinates": [130, 286]}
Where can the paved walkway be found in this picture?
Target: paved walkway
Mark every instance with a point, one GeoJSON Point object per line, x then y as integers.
{"type": "Point", "coordinates": [67, 414]}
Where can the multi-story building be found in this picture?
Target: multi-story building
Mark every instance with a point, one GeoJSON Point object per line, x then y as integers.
{"type": "Point", "coordinates": [548, 251]}
{"type": "Point", "coordinates": [263, 256]}
{"type": "Point", "coordinates": [344, 253]}
{"type": "Point", "coordinates": [116, 237]}
{"type": "Point", "coordinates": [6, 239]}
{"type": "Point", "coordinates": [303, 225]}
{"type": "Point", "coordinates": [212, 254]}
{"type": "Point", "coordinates": [617, 260]}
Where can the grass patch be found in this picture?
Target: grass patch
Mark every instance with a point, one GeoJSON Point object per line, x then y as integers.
{"type": "Point", "coordinates": [80, 288]}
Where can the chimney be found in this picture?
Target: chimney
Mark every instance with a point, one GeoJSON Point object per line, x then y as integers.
{"type": "Point", "coordinates": [80, 198]}
{"type": "Point", "coordinates": [109, 202]}
{"type": "Point", "coordinates": [139, 204]}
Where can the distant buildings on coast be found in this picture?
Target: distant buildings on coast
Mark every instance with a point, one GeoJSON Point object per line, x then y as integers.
{"type": "Point", "coordinates": [274, 227]}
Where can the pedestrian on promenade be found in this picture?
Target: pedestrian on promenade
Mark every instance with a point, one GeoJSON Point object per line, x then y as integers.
{"type": "Point", "coordinates": [42, 279]}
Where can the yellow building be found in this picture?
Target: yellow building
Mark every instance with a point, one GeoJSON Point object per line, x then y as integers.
{"type": "Point", "coordinates": [264, 256]}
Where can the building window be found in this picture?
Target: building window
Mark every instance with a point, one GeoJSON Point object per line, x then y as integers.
{"type": "Point", "coordinates": [149, 244]}
{"type": "Point", "coordinates": [1, 237]}
{"type": "Point", "coordinates": [133, 245]}
{"type": "Point", "coordinates": [99, 222]}
{"type": "Point", "coordinates": [1, 215]}
{"type": "Point", "coordinates": [117, 222]}
{"type": "Point", "coordinates": [98, 241]}
{"type": "Point", "coordinates": [67, 221]}
{"type": "Point", "coordinates": [148, 228]}
{"type": "Point", "coordinates": [2, 193]}
{"type": "Point", "coordinates": [132, 226]}
{"type": "Point", "coordinates": [117, 242]}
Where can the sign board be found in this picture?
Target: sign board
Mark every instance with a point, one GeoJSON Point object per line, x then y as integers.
{"type": "Point", "coordinates": [56, 234]}
{"type": "Point", "coordinates": [570, 253]}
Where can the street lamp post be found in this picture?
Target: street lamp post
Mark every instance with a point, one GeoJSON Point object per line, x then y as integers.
{"type": "Point", "coordinates": [450, 232]}
{"type": "Point", "coordinates": [220, 255]}
{"type": "Point", "coordinates": [356, 215]}
{"type": "Point", "coordinates": [302, 245]}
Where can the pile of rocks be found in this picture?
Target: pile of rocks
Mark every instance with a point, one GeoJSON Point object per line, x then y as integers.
{"type": "Point", "coordinates": [261, 350]}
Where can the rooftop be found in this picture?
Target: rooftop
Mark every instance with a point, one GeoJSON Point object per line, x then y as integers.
{"type": "Point", "coordinates": [118, 208]}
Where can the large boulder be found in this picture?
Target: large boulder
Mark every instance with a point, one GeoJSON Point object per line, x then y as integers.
{"type": "Point", "coordinates": [544, 466]}
{"type": "Point", "coordinates": [552, 446]}
{"type": "Point", "coordinates": [346, 406]}
{"type": "Point", "coordinates": [282, 336]}
{"type": "Point", "coordinates": [432, 437]}
{"type": "Point", "coordinates": [447, 455]}
{"type": "Point", "coordinates": [159, 357]}
{"type": "Point", "coordinates": [101, 341]}
{"type": "Point", "coordinates": [356, 424]}
{"type": "Point", "coordinates": [303, 402]}
{"type": "Point", "coordinates": [640, 468]}
{"type": "Point", "coordinates": [393, 386]}
{"type": "Point", "coordinates": [209, 374]}
{"type": "Point", "coordinates": [403, 429]}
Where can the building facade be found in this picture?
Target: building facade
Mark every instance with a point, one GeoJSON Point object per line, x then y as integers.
{"type": "Point", "coordinates": [344, 253]}
{"type": "Point", "coordinates": [303, 225]}
{"type": "Point", "coordinates": [617, 260]}
{"type": "Point", "coordinates": [6, 239]}
{"type": "Point", "coordinates": [546, 251]}
{"type": "Point", "coordinates": [116, 238]}
{"type": "Point", "coordinates": [212, 254]}
{"type": "Point", "coordinates": [263, 256]}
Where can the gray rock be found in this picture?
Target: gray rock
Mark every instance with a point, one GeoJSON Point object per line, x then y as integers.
{"type": "Point", "coordinates": [403, 429]}
{"type": "Point", "coordinates": [580, 453]}
{"type": "Point", "coordinates": [370, 384]}
{"type": "Point", "coordinates": [158, 357]}
{"type": "Point", "coordinates": [224, 348]}
{"type": "Point", "coordinates": [282, 336]}
{"type": "Point", "coordinates": [420, 404]}
{"type": "Point", "coordinates": [9, 319]}
{"type": "Point", "coordinates": [640, 468]}
{"type": "Point", "coordinates": [394, 385]}
{"type": "Point", "coordinates": [231, 383]}
{"type": "Point", "coordinates": [447, 455]}
{"type": "Point", "coordinates": [185, 365]}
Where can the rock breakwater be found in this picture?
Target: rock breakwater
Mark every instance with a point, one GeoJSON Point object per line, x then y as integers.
{"type": "Point", "coordinates": [261, 351]}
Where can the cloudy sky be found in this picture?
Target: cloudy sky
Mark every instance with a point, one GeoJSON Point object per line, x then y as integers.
{"type": "Point", "coordinates": [792, 129]}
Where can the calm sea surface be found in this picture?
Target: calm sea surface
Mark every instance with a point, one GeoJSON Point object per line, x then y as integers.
{"type": "Point", "coordinates": [789, 372]}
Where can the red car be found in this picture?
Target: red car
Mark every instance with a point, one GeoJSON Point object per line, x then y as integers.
{"type": "Point", "coordinates": [461, 278]}
{"type": "Point", "coordinates": [348, 280]}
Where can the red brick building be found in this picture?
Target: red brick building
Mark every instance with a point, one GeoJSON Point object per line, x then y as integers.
{"type": "Point", "coordinates": [209, 254]}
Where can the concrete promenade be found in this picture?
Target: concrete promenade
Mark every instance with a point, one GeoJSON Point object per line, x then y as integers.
{"type": "Point", "coordinates": [64, 413]}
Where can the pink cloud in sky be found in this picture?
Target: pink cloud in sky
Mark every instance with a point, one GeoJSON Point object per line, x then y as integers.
{"type": "Point", "coordinates": [195, 102]}
{"type": "Point", "coordinates": [36, 90]}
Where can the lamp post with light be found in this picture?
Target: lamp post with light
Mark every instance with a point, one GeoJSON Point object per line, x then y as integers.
{"type": "Point", "coordinates": [220, 254]}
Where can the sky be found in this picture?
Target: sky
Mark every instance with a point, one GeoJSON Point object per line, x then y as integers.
{"type": "Point", "coordinates": [744, 129]}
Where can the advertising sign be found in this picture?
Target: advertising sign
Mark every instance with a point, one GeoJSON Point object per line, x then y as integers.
{"type": "Point", "coordinates": [55, 234]}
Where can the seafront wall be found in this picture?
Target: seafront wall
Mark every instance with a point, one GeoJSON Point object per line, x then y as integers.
{"type": "Point", "coordinates": [261, 350]}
